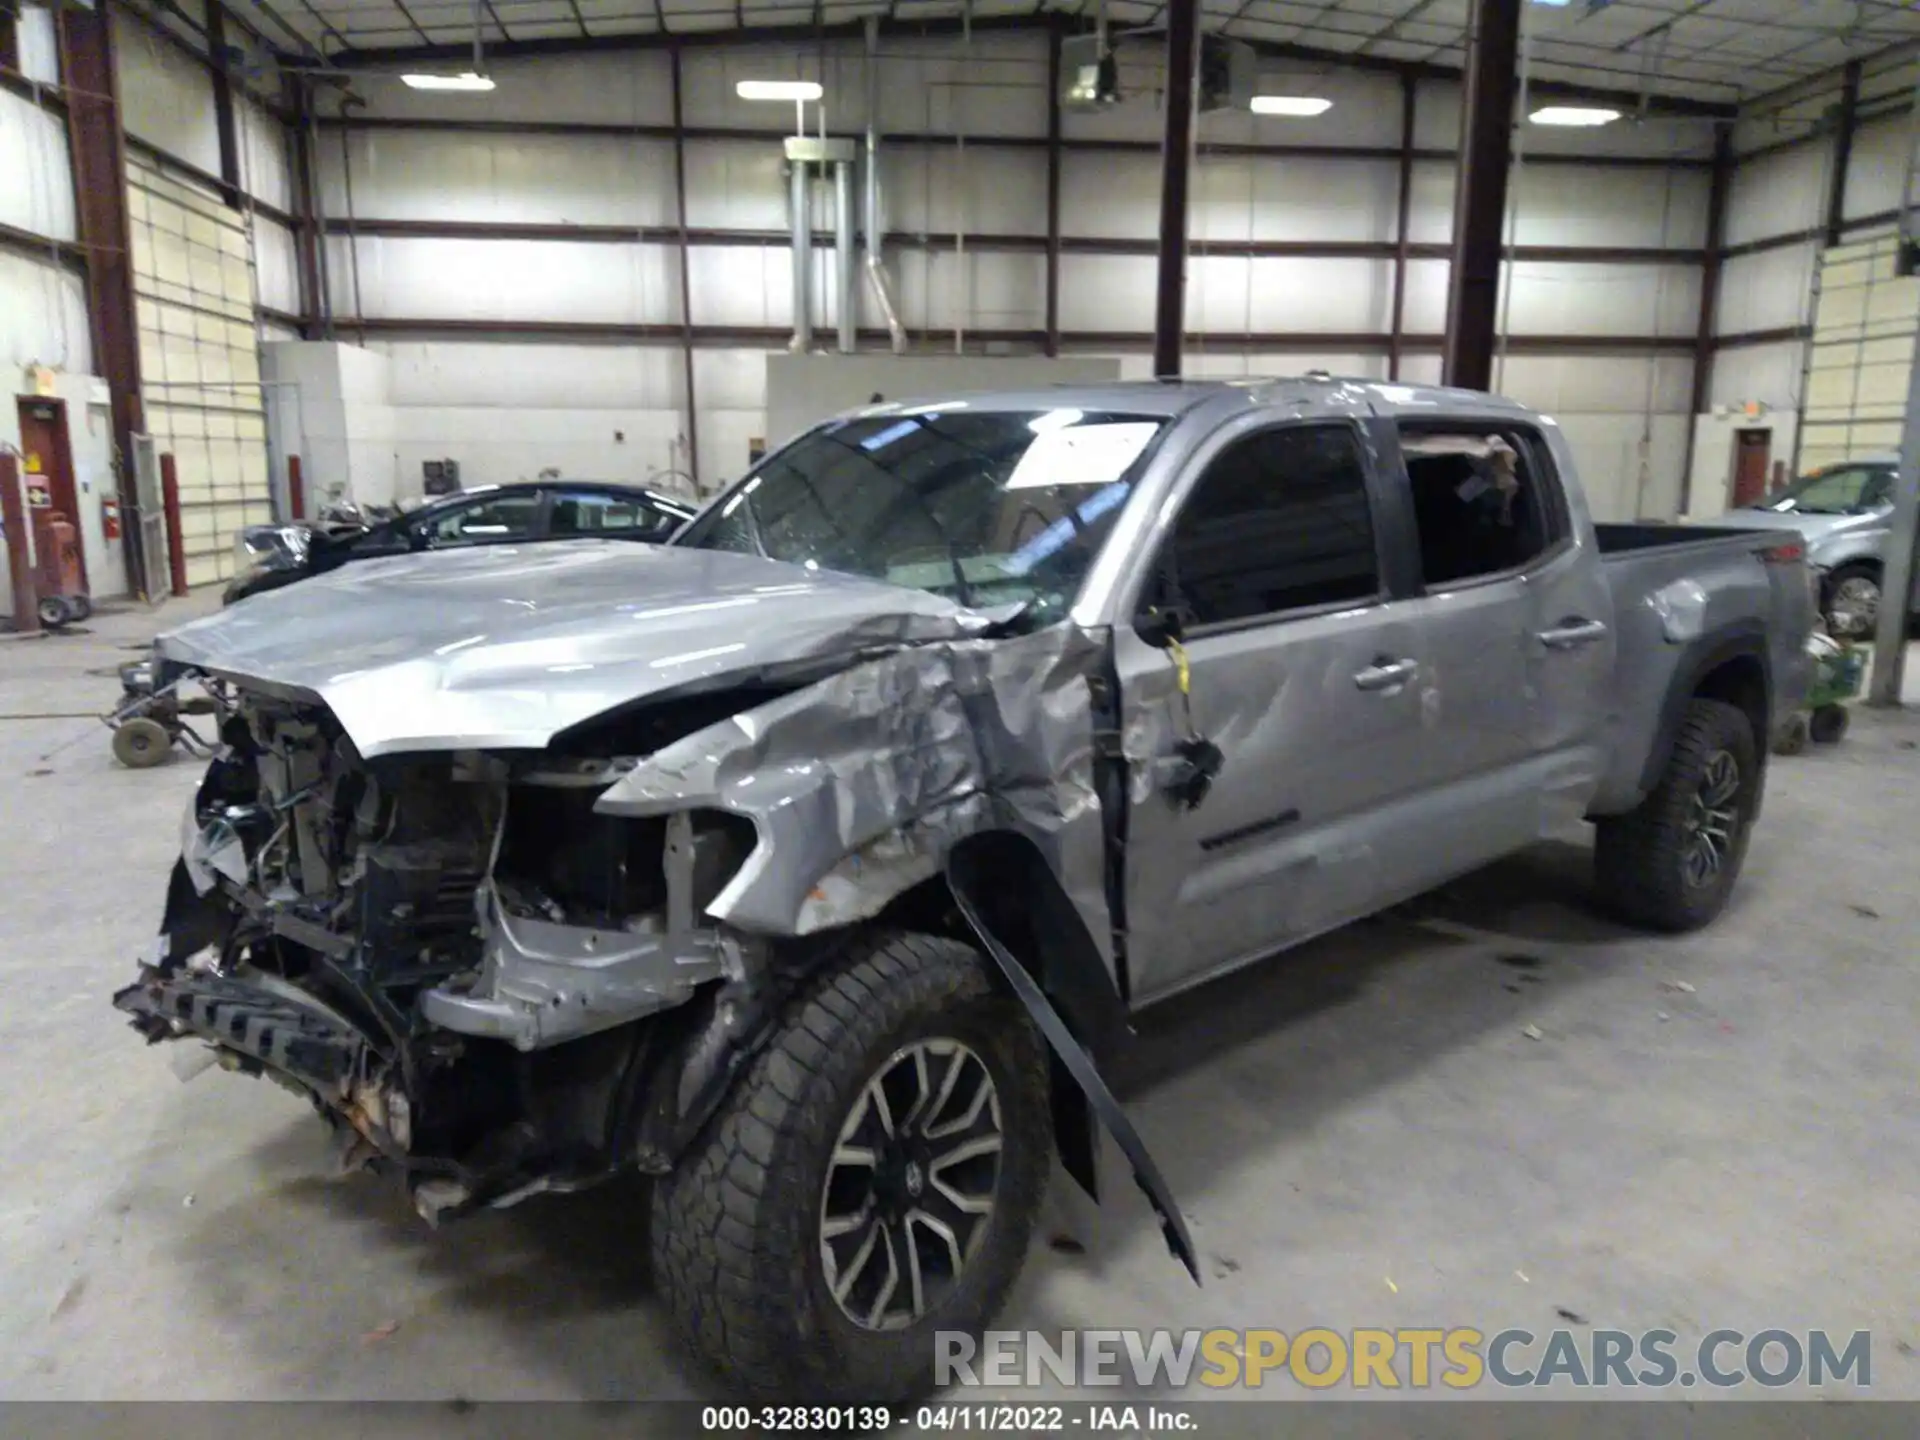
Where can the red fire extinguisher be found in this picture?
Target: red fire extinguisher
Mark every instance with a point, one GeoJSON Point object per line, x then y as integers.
{"type": "Point", "coordinates": [110, 517]}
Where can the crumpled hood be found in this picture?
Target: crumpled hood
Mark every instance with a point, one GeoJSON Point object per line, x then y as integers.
{"type": "Point", "coordinates": [506, 646]}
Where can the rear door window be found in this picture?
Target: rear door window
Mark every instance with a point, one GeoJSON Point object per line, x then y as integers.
{"type": "Point", "coordinates": [1482, 505]}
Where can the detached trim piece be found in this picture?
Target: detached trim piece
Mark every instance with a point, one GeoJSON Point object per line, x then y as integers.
{"type": "Point", "coordinates": [1173, 1225]}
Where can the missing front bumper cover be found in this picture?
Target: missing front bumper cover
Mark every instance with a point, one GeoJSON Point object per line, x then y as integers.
{"type": "Point", "coordinates": [542, 982]}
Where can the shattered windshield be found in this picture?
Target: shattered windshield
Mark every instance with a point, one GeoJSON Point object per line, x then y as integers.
{"type": "Point", "coordinates": [988, 507]}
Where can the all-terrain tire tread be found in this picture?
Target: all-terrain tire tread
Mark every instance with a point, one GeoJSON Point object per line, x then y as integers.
{"type": "Point", "coordinates": [719, 1233]}
{"type": "Point", "coordinates": [1637, 856]}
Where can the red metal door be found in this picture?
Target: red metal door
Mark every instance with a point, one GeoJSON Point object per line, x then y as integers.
{"type": "Point", "coordinates": [1751, 450]}
{"type": "Point", "coordinates": [46, 464]}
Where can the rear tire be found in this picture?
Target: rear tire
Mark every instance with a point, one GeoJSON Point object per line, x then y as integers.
{"type": "Point", "coordinates": [765, 1212]}
{"type": "Point", "coordinates": [1852, 607]}
{"type": "Point", "coordinates": [1672, 863]}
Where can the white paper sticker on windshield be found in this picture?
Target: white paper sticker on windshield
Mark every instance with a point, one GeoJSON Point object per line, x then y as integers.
{"type": "Point", "coordinates": [1081, 455]}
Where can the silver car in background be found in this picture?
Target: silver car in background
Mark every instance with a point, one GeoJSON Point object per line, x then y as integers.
{"type": "Point", "coordinates": [1845, 513]}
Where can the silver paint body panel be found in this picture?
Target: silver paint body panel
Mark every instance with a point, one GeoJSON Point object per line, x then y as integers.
{"type": "Point", "coordinates": [910, 723]}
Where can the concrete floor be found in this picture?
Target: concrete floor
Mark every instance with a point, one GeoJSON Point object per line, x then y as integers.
{"type": "Point", "coordinates": [1363, 1133]}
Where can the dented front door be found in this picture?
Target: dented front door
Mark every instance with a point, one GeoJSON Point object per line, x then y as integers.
{"type": "Point", "coordinates": [1301, 672]}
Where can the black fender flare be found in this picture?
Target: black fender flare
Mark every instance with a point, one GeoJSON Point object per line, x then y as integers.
{"type": "Point", "coordinates": [1742, 640]}
{"type": "Point", "coordinates": [1080, 1065]}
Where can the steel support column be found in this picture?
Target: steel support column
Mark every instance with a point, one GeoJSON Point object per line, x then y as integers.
{"type": "Point", "coordinates": [1845, 123]}
{"type": "Point", "coordinates": [1176, 167]}
{"type": "Point", "coordinates": [98, 148]}
{"type": "Point", "coordinates": [1480, 193]}
{"type": "Point", "coordinates": [222, 75]}
{"type": "Point", "coordinates": [686, 276]}
{"type": "Point", "coordinates": [1703, 338]}
{"type": "Point", "coordinates": [1054, 36]}
{"type": "Point", "coordinates": [307, 237]}
{"type": "Point", "coordinates": [1403, 221]}
{"type": "Point", "coordinates": [1890, 634]}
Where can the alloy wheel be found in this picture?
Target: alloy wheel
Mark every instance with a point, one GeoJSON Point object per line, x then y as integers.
{"type": "Point", "coordinates": [911, 1183]}
{"type": "Point", "coordinates": [1713, 819]}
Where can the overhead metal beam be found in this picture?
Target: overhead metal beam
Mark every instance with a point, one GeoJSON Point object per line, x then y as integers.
{"type": "Point", "coordinates": [1480, 193]}
{"type": "Point", "coordinates": [942, 141]}
{"type": "Point", "coordinates": [1292, 342]}
{"type": "Point", "coordinates": [1020, 243]}
{"type": "Point", "coordinates": [1845, 123]}
{"type": "Point", "coordinates": [1176, 171]}
{"type": "Point", "coordinates": [99, 162]}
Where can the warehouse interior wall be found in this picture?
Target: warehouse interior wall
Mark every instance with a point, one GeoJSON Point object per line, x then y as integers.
{"type": "Point", "coordinates": [513, 292]}
{"type": "Point", "coordinates": [513, 352]}
{"type": "Point", "coordinates": [1777, 211]}
{"type": "Point", "coordinates": [199, 308]}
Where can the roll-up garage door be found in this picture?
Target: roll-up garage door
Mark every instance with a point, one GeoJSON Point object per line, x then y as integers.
{"type": "Point", "coordinates": [1862, 351]}
{"type": "Point", "coordinates": [199, 359]}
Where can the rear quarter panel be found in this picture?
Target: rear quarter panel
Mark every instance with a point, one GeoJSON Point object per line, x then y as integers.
{"type": "Point", "coordinates": [1679, 611]}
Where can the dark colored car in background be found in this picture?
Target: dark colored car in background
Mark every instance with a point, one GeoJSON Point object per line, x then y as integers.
{"type": "Point", "coordinates": [277, 555]}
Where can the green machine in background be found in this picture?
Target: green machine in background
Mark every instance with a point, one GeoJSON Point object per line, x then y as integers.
{"type": "Point", "coordinates": [1839, 672]}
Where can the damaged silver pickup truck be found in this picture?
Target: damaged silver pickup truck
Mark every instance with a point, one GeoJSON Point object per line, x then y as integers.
{"type": "Point", "coordinates": [811, 862]}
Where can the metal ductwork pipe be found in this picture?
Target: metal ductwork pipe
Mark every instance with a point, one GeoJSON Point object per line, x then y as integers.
{"type": "Point", "coordinates": [798, 175]}
{"type": "Point", "coordinates": [876, 269]}
{"type": "Point", "coordinates": [846, 298]}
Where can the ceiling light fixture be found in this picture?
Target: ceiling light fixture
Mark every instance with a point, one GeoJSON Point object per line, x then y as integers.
{"type": "Point", "coordinates": [467, 80]}
{"type": "Point", "coordinates": [1583, 115]}
{"type": "Point", "coordinates": [779, 90]}
{"type": "Point", "coordinates": [1300, 106]}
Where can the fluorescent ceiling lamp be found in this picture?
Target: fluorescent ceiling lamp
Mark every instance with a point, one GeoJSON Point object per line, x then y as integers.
{"type": "Point", "coordinates": [778, 90]}
{"type": "Point", "coordinates": [1573, 115]}
{"type": "Point", "coordinates": [467, 80]}
{"type": "Point", "coordinates": [1300, 105]}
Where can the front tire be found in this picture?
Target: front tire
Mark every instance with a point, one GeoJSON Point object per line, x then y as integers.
{"type": "Point", "coordinates": [1672, 863]}
{"type": "Point", "coordinates": [875, 1176]}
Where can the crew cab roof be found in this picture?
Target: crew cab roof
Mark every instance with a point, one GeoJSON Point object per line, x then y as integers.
{"type": "Point", "coordinates": [1171, 398]}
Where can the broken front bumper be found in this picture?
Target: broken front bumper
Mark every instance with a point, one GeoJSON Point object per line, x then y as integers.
{"type": "Point", "coordinates": [275, 1029]}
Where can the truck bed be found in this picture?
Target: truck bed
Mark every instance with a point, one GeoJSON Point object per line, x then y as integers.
{"type": "Point", "coordinates": [1624, 539]}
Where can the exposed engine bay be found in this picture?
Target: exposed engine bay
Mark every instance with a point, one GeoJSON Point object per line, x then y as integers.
{"type": "Point", "coordinates": [408, 940]}
{"type": "Point", "coordinates": [513, 865]}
